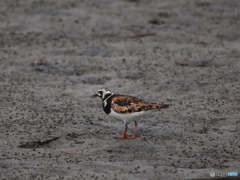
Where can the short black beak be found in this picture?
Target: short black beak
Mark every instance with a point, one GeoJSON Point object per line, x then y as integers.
{"type": "Point", "coordinates": [95, 95]}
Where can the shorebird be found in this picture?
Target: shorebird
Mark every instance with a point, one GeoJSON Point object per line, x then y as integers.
{"type": "Point", "coordinates": [126, 108]}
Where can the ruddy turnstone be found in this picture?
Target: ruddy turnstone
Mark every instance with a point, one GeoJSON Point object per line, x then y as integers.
{"type": "Point", "coordinates": [126, 108]}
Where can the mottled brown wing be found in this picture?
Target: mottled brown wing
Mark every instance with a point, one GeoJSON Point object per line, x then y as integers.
{"type": "Point", "coordinates": [128, 104]}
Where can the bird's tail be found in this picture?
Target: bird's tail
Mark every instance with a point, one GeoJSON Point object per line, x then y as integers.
{"type": "Point", "coordinates": [161, 106]}
{"type": "Point", "coordinates": [157, 106]}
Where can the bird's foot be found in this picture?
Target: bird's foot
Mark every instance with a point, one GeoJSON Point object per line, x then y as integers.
{"type": "Point", "coordinates": [133, 137]}
{"type": "Point", "coordinates": [122, 137]}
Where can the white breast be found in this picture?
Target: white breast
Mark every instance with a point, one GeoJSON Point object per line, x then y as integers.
{"type": "Point", "coordinates": [127, 117]}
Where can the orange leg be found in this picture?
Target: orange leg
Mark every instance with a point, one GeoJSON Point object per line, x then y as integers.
{"type": "Point", "coordinates": [135, 134]}
{"type": "Point", "coordinates": [125, 133]}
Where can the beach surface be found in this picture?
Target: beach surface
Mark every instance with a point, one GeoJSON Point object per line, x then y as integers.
{"type": "Point", "coordinates": [55, 54]}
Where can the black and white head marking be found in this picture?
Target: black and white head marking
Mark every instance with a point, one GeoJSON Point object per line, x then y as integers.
{"type": "Point", "coordinates": [103, 93]}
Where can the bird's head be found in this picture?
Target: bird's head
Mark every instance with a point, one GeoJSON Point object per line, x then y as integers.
{"type": "Point", "coordinates": [102, 93]}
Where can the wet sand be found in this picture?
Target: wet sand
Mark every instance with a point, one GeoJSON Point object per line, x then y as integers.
{"type": "Point", "coordinates": [56, 54]}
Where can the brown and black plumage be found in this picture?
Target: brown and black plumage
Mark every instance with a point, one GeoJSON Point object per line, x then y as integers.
{"type": "Point", "coordinates": [128, 104]}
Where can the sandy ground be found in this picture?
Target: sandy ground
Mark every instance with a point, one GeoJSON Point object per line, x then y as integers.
{"type": "Point", "coordinates": [55, 54]}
